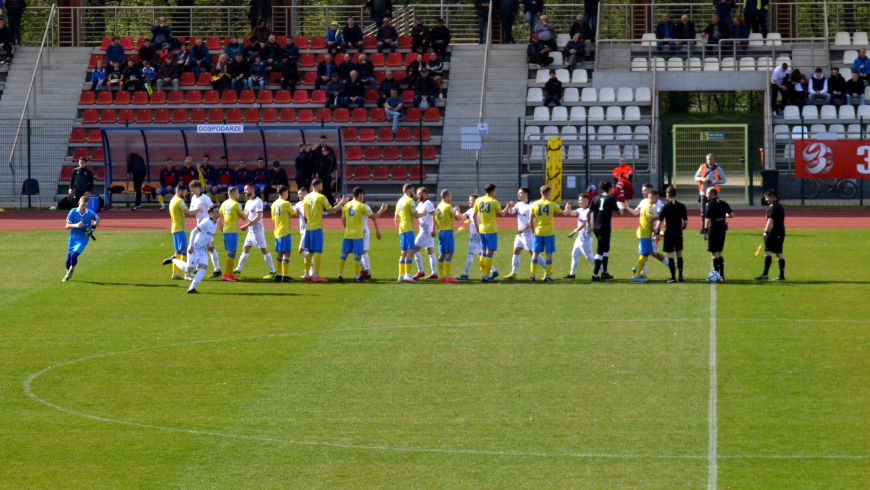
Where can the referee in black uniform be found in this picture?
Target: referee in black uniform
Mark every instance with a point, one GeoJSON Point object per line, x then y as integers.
{"type": "Point", "coordinates": [673, 214]}
{"type": "Point", "coordinates": [774, 235]}
{"type": "Point", "coordinates": [603, 207]}
{"type": "Point", "coordinates": [715, 228]}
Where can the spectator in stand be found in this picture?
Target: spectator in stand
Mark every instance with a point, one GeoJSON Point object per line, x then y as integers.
{"type": "Point", "coordinates": [798, 88]}
{"type": "Point", "coordinates": [352, 36]}
{"type": "Point", "coordinates": [132, 76]}
{"type": "Point", "coordinates": [419, 36]}
{"type": "Point", "coordinates": [345, 67]}
{"type": "Point", "coordinates": [264, 10]}
{"type": "Point", "coordinates": [6, 42]}
{"type": "Point", "coordinates": [538, 53]}
{"type": "Point", "coordinates": [387, 36]}
{"type": "Point", "coordinates": [666, 32]}
{"type": "Point", "coordinates": [590, 13]}
{"type": "Point", "coordinates": [413, 70]}
{"type": "Point", "coordinates": [136, 171]}
{"type": "Point", "coordinates": [861, 65]}
{"type": "Point", "coordinates": [200, 58]}
{"type": "Point", "coordinates": [393, 108]}
{"type": "Point", "coordinates": [207, 175]}
{"type": "Point", "coordinates": [166, 180]}
{"type": "Point", "coordinates": [271, 53]}
{"type": "Point", "coordinates": [225, 176]}
{"type": "Point", "coordinates": [98, 77]}
{"type": "Point", "coordinates": [386, 86]}
{"type": "Point", "coordinates": [716, 31]}
{"type": "Point", "coordinates": [147, 52]}
{"type": "Point", "coordinates": [685, 35]}
{"type": "Point", "coordinates": [277, 176]}
{"type": "Point", "coordinates": [366, 70]}
{"type": "Point", "coordinates": [354, 90]}
{"type": "Point", "coordinates": [738, 34]}
{"type": "Point", "coordinates": [553, 90]}
{"type": "Point", "coordinates": [546, 32]}
{"type": "Point", "coordinates": [333, 38]}
{"type": "Point", "coordinates": [325, 166]}
{"type": "Point", "coordinates": [855, 90]}
{"type": "Point", "coordinates": [818, 88]}
{"type": "Point", "coordinates": [115, 78]}
{"type": "Point", "coordinates": [292, 50]}
{"type": "Point", "coordinates": [580, 26]}
{"type": "Point", "coordinates": [532, 10]}
{"type": "Point", "coordinates": [262, 32]}
{"type": "Point", "coordinates": [81, 183]}
{"type": "Point", "coordinates": [304, 166]}
{"type": "Point", "coordinates": [574, 52]}
{"type": "Point", "coordinates": [164, 52]}
{"type": "Point", "coordinates": [755, 12]}
{"type": "Point", "coordinates": [289, 74]}
{"type": "Point", "coordinates": [161, 34]}
{"type": "Point", "coordinates": [242, 176]}
{"type": "Point", "coordinates": [381, 9]}
{"type": "Point", "coordinates": [14, 12]}
{"type": "Point", "coordinates": [325, 69]}
{"type": "Point", "coordinates": [188, 172]}
{"type": "Point", "coordinates": [436, 71]}
{"type": "Point", "coordinates": [260, 177]}
{"type": "Point", "coordinates": [253, 48]}
{"type": "Point", "coordinates": [149, 77]}
{"type": "Point", "coordinates": [439, 38]}
{"type": "Point", "coordinates": [239, 71]}
{"type": "Point", "coordinates": [723, 8]}
{"type": "Point", "coordinates": [779, 85]}
{"type": "Point", "coordinates": [482, 9]}
{"type": "Point", "coordinates": [115, 52]}
{"type": "Point", "coordinates": [507, 11]}
{"type": "Point", "coordinates": [184, 59]}
{"type": "Point", "coordinates": [233, 47]}
{"type": "Point", "coordinates": [335, 92]}
{"type": "Point", "coordinates": [168, 73]}
{"type": "Point", "coordinates": [258, 74]}
{"type": "Point", "coordinates": [220, 76]}
{"type": "Point", "coordinates": [424, 87]}
{"type": "Point", "coordinates": [837, 87]}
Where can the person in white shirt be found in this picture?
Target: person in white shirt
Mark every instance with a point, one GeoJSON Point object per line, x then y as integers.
{"type": "Point", "coordinates": [256, 233]}
{"type": "Point", "coordinates": [200, 204]}
{"type": "Point", "coordinates": [366, 272]}
{"type": "Point", "coordinates": [200, 239]}
{"type": "Point", "coordinates": [583, 242]}
{"type": "Point", "coordinates": [474, 246]}
{"type": "Point", "coordinates": [525, 236]}
{"type": "Point", "coordinates": [777, 86]}
{"type": "Point", "coordinates": [425, 236]}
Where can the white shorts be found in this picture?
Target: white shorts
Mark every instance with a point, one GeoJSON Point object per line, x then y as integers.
{"type": "Point", "coordinates": [524, 241]}
{"type": "Point", "coordinates": [366, 235]}
{"type": "Point", "coordinates": [424, 240]}
{"type": "Point", "coordinates": [583, 245]}
{"type": "Point", "coordinates": [198, 257]}
{"type": "Point", "coordinates": [301, 239]}
{"type": "Point", "coordinates": [474, 245]}
{"type": "Point", "coordinates": [255, 239]}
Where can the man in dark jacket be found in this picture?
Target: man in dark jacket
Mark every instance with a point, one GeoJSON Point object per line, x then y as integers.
{"type": "Point", "coordinates": [738, 35]}
{"type": "Point", "coordinates": [325, 69]}
{"type": "Point", "coordinates": [292, 50]}
{"type": "Point", "coordinates": [439, 39]}
{"type": "Point", "coordinates": [580, 26]}
{"type": "Point", "coordinates": [574, 51]}
{"type": "Point", "coordinates": [345, 67]}
{"type": "Point", "coordinates": [685, 35]}
{"type": "Point", "coordinates": [482, 8]}
{"type": "Point", "coordinates": [532, 10]}
{"type": "Point", "coordinates": [254, 48]}
{"type": "Point", "coordinates": [354, 91]}
{"type": "Point", "coordinates": [277, 176]}
{"type": "Point", "coordinates": [335, 93]}
{"type": "Point", "coordinates": [272, 52]}
{"type": "Point", "coordinates": [538, 53]}
{"type": "Point", "coordinates": [239, 71]}
{"type": "Point", "coordinates": [425, 87]}
{"type": "Point", "coordinates": [115, 51]}
{"type": "Point", "coordinates": [380, 9]}
{"type": "Point", "coordinates": [137, 171]}
{"type": "Point", "coordinates": [855, 90]}
{"type": "Point", "coordinates": [553, 90]}
{"type": "Point", "coordinates": [14, 12]}
{"type": "Point", "coordinates": [507, 11]}
{"type": "Point", "coordinates": [387, 36]}
{"type": "Point", "coordinates": [161, 33]}
{"type": "Point", "coordinates": [716, 31]}
{"type": "Point", "coordinates": [837, 87]}
{"type": "Point", "coordinates": [200, 58]}
{"type": "Point", "coordinates": [289, 74]}
{"type": "Point", "coordinates": [666, 33]}
{"type": "Point", "coordinates": [82, 180]}
{"type": "Point", "coordinates": [419, 36]}
{"type": "Point", "coordinates": [385, 86]}
{"type": "Point", "coordinates": [590, 12]}
{"type": "Point", "coordinates": [324, 166]}
{"type": "Point", "coordinates": [366, 70]}
{"type": "Point", "coordinates": [168, 73]}
{"type": "Point", "coordinates": [304, 164]}
{"type": "Point", "coordinates": [147, 52]}
{"type": "Point", "coordinates": [6, 42]}
{"type": "Point", "coordinates": [755, 12]}
{"type": "Point", "coordinates": [352, 36]}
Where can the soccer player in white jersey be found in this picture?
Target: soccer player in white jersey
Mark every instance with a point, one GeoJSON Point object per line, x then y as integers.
{"type": "Point", "coordinates": [300, 210]}
{"type": "Point", "coordinates": [583, 242]}
{"type": "Point", "coordinates": [366, 272]}
{"type": "Point", "coordinates": [657, 207]}
{"type": "Point", "coordinates": [256, 236]}
{"type": "Point", "coordinates": [474, 246]}
{"type": "Point", "coordinates": [197, 255]}
{"type": "Point", "coordinates": [425, 236]}
{"type": "Point", "coordinates": [524, 238]}
{"type": "Point", "coordinates": [200, 204]}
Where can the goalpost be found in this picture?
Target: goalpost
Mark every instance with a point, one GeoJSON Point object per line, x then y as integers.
{"type": "Point", "coordinates": [235, 141]}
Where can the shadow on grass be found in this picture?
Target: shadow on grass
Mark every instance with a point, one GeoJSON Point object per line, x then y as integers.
{"type": "Point", "coordinates": [180, 284]}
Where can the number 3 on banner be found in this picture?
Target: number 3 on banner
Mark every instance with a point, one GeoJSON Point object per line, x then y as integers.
{"type": "Point", "coordinates": [864, 151]}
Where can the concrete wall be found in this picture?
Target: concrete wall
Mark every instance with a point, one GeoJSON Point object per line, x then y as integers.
{"type": "Point", "coordinates": [723, 81]}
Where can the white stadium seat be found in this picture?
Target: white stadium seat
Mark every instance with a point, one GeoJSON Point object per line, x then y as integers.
{"type": "Point", "coordinates": [774, 39]}
{"type": "Point", "coordinates": [864, 111]}
{"type": "Point", "coordinates": [557, 58]}
{"type": "Point", "coordinates": [853, 132]}
{"type": "Point", "coordinates": [756, 39]}
{"type": "Point", "coordinates": [533, 133]}
{"type": "Point", "coordinates": [605, 133]}
{"type": "Point", "coordinates": [639, 64]}
{"type": "Point", "coordinates": [695, 64]}
{"type": "Point", "coordinates": [596, 114]}
{"type": "Point", "coordinates": [791, 112]}
{"type": "Point", "coordinates": [562, 40]}
{"type": "Point", "coordinates": [614, 113]}
{"type": "Point", "coordinates": [571, 95]}
{"type": "Point", "coordinates": [849, 56]}
{"type": "Point", "coordinates": [675, 64]}
{"type": "Point", "coordinates": [542, 114]}
{"type": "Point", "coordinates": [660, 64]}
{"type": "Point", "coordinates": [569, 133]}
{"type": "Point", "coordinates": [866, 93]}
{"type": "Point", "coordinates": [606, 94]}
{"type": "Point", "coordinates": [594, 152]}
{"type": "Point", "coordinates": [579, 76]}
{"type": "Point", "coordinates": [780, 131]}
{"type": "Point", "coordinates": [542, 76]}
{"type": "Point", "coordinates": [711, 65]}
{"type": "Point", "coordinates": [810, 112]}
{"type": "Point", "coordinates": [799, 133]}
{"type": "Point", "coordinates": [643, 94]}
{"type": "Point", "coordinates": [860, 39]}
{"type": "Point", "coordinates": [586, 131]}
{"type": "Point", "coordinates": [632, 113]}
{"type": "Point", "coordinates": [727, 64]}
{"type": "Point", "coordinates": [782, 59]}
{"type": "Point", "coordinates": [537, 153]}
{"type": "Point", "coordinates": [631, 152]}
{"type": "Point", "coordinates": [575, 152]}
{"type": "Point", "coordinates": [765, 63]}
{"type": "Point", "coordinates": [839, 129]}
{"type": "Point", "coordinates": [624, 94]}
{"type": "Point", "coordinates": [641, 132]}
{"type": "Point", "coordinates": [559, 114]}
{"type": "Point", "coordinates": [649, 40]}
{"type": "Point", "coordinates": [612, 152]}
{"type": "Point", "coordinates": [747, 64]}
{"type": "Point", "coordinates": [550, 131]}
{"type": "Point", "coordinates": [589, 95]}
{"type": "Point", "coordinates": [815, 129]}
{"type": "Point", "coordinates": [828, 112]}
{"type": "Point", "coordinates": [842, 39]}
{"type": "Point", "coordinates": [536, 96]}
{"type": "Point", "coordinates": [846, 73]}
{"type": "Point", "coordinates": [624, 133]}
{"type": "Point", "coordinates": [562, 75]}
{"type": "Point", "coordinates": [578, 113]}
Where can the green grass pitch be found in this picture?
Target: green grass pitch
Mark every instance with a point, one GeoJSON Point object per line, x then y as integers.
{"type": "Point", "coordinates": [119, 379]}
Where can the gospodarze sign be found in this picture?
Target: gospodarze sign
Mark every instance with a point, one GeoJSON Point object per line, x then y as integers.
{"type": "Point", "coordinates": [220, 128]}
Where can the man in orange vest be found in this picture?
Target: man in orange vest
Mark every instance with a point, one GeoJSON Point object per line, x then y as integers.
{"type": "Point", "coordinates": [708, 175]}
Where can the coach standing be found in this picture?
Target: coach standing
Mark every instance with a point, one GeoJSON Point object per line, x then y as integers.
{"type": "Point", "coordinates": [774, 235]}
{"type": "Point", "coordinates": [136, 170]}
{"type": "Point", "coordinates": [82, 181]}
{"type": "Point", "coordinates": [708, 176]}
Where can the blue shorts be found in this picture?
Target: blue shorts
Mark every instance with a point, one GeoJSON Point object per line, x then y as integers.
{"type": "Point", "coordinates": [231, 241]}
{"type": "Point", "coordinates": [77, 244]}
{"type": "Point", "coordinates": [314, 241]}
{"type": "Point", "coordinates": [489, 241]}
{"type": "Point", "coordinates": [645, 246]}
{"type": "Point", "coordinates": [259, 187]}
{"type": "Point", "coordinates": [544, 244]}
{"type": "Point", "coordinates": [352, 246]}
{"type": "Point", "coordinates": [406, 240]}
{"type": "Point", "coordinates": [167, 189]}
{"type": "Point", "coordinates": [179, 241]}
{"type": "Point", "coordinates": [446, 244]}
{"type": "Point", "coordinates": [283, 245]}
{"type": "Point", "coordinates": [241, 188]}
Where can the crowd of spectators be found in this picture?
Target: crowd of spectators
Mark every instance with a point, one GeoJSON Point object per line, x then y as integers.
{"type": "Point", "coordinates": [796, 89]}
{"type": "Point", "coordinates": [542, 42]}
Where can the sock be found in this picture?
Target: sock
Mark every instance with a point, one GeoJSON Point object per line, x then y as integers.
{"type": "Point", "coordinates": [666, 261]}
{"type": "Point", "coordinates": [160, 199]}
{"type": "Point", "coordinates": [641, 262]}
{"type": "Point", "coordinates": [782, 267]}
{"type": "Point", "coordinates": [448, 265]}
{"type": "Point", "coordinates": [680, 265]}
{"type": "Point", "coordinates": [74, 259]}
{"type": "Point", "coordinates": [317, 259]}
{"type": "Point", "coordinates": [515, 264]}
{"type": "Point", "coordinates": [574, 261]}
{"type": "Point", "coordinates": [401, 268]}
{"type": "Point", "coordinates": [597, 265]}
{"type": "Point", "coordinates": [549, 267]}
{"type": "Point", "coordinates": [200, 273]}
{"type": "Point", "coordinates": [229, 262]}
{"type": "Point", "coordinates": [533, 267]}
{"type": "Point", "coordinates": [418, 259]}
{"type": "Point", "coordinates": [215, 260]}
{"type": "Point", "coordinates": [365, 261]}
{"type": "Point", "coordinates": [175, 270]}
{"type": "Point", "coordinates": [673, 269]}
{"type": "Point", "coordinates": [268, 258]}
{"type": "Point", "coordinates": [767, 260]}
{"type": "Point", "coordinates": [242, 260]}
{"type": "Point", "coordinates": [481, 259]}
{"type": "Point", "coordinates": [487, 265]}
{"type": "Point", "coordinates": [341, 262]}
{"type": "Point", "coordinates": [279, 267]}
{"type": "Point", "coordinates": [357, 267]}
{"type": "Point", "coordinates": [180, 264]}
{"type": "Point", "coordinates": [68, 261]}
{"type": "Point", "coordinates": [644, 267]}
{"type": "Point", "coordinates": [604, 263]}
{"type": "Point", "coordinates": [469, 261]}
{"type": "Point", "coordinates": [440, 267]}
{"type": "Point", "coordinates": [433, 261]}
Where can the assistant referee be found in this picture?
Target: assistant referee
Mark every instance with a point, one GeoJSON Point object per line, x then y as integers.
{"type": "Point", "coordinates": [774, 235]}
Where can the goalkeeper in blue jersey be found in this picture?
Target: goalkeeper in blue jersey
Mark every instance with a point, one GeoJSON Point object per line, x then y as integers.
{"type": "Point", "coordinates": [81, 223]}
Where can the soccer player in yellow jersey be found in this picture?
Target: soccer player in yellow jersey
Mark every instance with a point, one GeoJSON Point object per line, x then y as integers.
{"type": "Point", "coordinates": [177, 211]}
{"type": "Point", "coordinates": [486, 209]}
{"type": "Point", "coordinates": [647, 217]}
{"type": "Point", "coordinates": [445, 213]}
{"type": "Point", "coordinates": [231, 210]}
{"type": "Point", "coordinates": [352, 216]}
{"type": "Point", "coordinates": [314, 205]}
{"type": "Point", "coordinates": [406, 211]}
{"type": "Point", "coordinates": [541, 217]}
{"type": "Point", "coordinates": [282, 211]}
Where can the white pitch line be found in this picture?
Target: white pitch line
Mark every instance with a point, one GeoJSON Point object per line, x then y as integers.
{"type": "Point", "coordinates": [712, 417]}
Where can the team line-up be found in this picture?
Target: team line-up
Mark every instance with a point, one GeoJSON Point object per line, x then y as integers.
{"type": "Point", "coordinates": [658, 221]}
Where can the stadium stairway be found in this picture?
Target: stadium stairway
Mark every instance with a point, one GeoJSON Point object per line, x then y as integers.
{"type": "Point", "coordinates": [505, 105]}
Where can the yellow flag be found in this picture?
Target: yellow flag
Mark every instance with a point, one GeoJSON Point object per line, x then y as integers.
{"type": "Point", "coordinates": [554, 167]}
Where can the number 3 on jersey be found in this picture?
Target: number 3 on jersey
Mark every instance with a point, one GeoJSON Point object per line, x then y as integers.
{"type": "Point", "coordinates": [485, 207]}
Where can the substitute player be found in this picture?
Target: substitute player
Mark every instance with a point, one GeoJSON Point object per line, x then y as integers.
{"type": "Point", "coordinates": [426, 236]}
{"type": "Point", "coordinates": [200, 238]}
{"type": "Point", "coordinates": [352, 216]}
{"type": "Point", "coordinates": [603, 206]}
{"type": "Point", "coordinates": [541, 216]}
{"type": "Point", "coordinates": [646, 219]}
{"type": "Point", "coordinates": [167, 182]}
{"type": "Point", "coordinates": [774, 235]}
{"type": "Point", "coordinates": [445, 213]}
{"type": "Point", "coordinates": [314, 205]}
{"type": "Point", "coordinates": [673, 215]}
{"type": "Point", "coordinates": [366, 272]}
{"type": "Point", "coordinates": [525, 237]}
{"type": "Point", "coordinates": [282, 211]}
{"type": "Point", "coordinates": [231, 211]}
{"type": "Point", "coordinates": [583, 242]}
{"type": "Point", "coordinates": [715, 228]}
{"type": "Point", "coordinates": [256, 236]}
{"type": "Point", "coordinates": [486, 210]}
{"type": "Point", "coordinates": [177, 212]}
{"type": "Point", "coordinates": [80, 222]}
{"type": "Point", "coordinates": [200, 204]}
{"type": "Point", "coordinates": [406, 211]}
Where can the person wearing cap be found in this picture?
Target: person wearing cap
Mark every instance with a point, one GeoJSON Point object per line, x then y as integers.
{"type": "Point", "coordinates": [553, 90]}
{"type": "Point", "coordinates": [546, 32]}
{"type": "Point", "coordinates": [352, 36]}
{"type": "Point", "coordinates": [335, 92]}
{"type": "Point", "coordinates": [538, 53]}
{"type": "Point", "coordinates": [424, 88]}
{"type": "Point", "coordinates": [183, 60]}
{"type": "Point", "coordinates": [168, 74]}
{"type": "Point", "coordinates": [419, 36]}
{"type": "Point", "coordinates": [258, 74]}
{"type": "Point", "coordinates": [532, 10]}
{"type": "Point", "coordinates": [165, 51]}
{"type": "Point", "coordinates": [261, 31]}
{"type": "Point", "coordinates": [387, 36]}
{"type": "Point", "coordinates": [289, 74]}
{"type": "Point", "coordinates": [439, 38]}
{"type": "Point", "coordinates": [333, 38]}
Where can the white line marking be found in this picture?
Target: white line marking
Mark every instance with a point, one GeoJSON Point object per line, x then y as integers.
{"type": "Point", "coordinates": [712, 417]}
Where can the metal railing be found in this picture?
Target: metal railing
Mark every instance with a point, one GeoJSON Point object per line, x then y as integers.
{"type": "Point", "coordinates": [847, 17]}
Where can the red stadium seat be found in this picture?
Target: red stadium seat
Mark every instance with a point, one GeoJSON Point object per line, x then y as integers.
{"type": "Point", "coordinates": [394, 59]}
{"type": "Point", "coordinates": [95, 136]}
{"type": "Point", "coordinates": [408, 97]}
{"type": "Point", "coordinates": [229, 97]}
{"type": "Point", "coordinates": [246, 40]}
{"type": "Point", "coordinates": [179, 116]}
{"type": "Point", "coordinates": [212, 97]}
{"type": "Point", "coordinates": [77, 136]}
{"type": "Point", "coordinates": [348, 135]}
{"type": "Point", "coordinates": [305, 116]}
{"type": "Point", "coordinates": [281, 40]}
{"type": "Point", "coordinates": [122, 98]}
{"type": "Point", "coordinates": [234, 115]}
{"type": "Point", "coordinates": [301, 97]}
{"type": "Point", "coordinates": [425, 134]}
{"type": "Point", "coordinates": [108, 116]}
{"type": "Point", "coordinates": [381, 173]}
{"type": "Point", "coordinates": [323, 115]}
{"type": "Point", "coordinates": [432, 114]}
{"type": "Point", "coordinates": [193, 39]}
{"type": "Point", "coordinates": [204, 79]}
{"type": "Point", "coordinates": [106, 42]}
{"type": "Point", "coordinates": [318, 97]}
{"type": "Point", "coordinates": [197, 116]}
{"type": "Point", "coordinates": [354, 154]}
{"type": "Point", "coordinates": [127, 43]}
{"type": "Point", "coordinates": [125, 116]}
{"type": "Point", "coordinates": [400, 172]}
{"type": "Point", "coordinates": [97, 156]}
{"type": "Point", "coordinates": [143, 116]}
{"type": "Point", "coordinates": [428, 152]}
{"type": "Point", "coordinates": [92, 63]}
{"type": "Point", "coordinates": [176, 97]}
{"type": "Point", "coordinates": [412, 115]}
{"type": "Point", "coordinates": [370, 42]}
{"type": "Point", "coordinates": [282, 97]}
{"type": "Point", "coordinates": [79, 153]}
{"type": "Point", "coordinates": [400, 75]}
{"type": "Point", "coordinates": [301, 42]}
{"type": "Point", "coordinates": [404, 134]}
{"type": "Point", "coordinates": [410, 57]}
{"type": "Point", "coordinates": [378, 59]}
{"type": "Point", "coordinates": [366, 135]}
{"type": "Point", "coordinates": [362, 172]}
{"type": "Point", "coordinates": [270, 115]}
{"type": "Point", "coordinates": [213, 43]}
{"type": "Point", "coordinates": [86, 98]}
{"type": "Point", "coordinates": [373, 153]}
{"type": "Point", "coordinates": [216, 116]}
{"type": "Point", "coordinates": [100, 173]}
{"type": "Point", "coordinates": [380, 76]}
{"type": "Point", "coordinates": [158, 97]}
{"type": "Point", "coordinates": [274, 78]}
{"type": "Point", "coordinates": [404, 42]}
{"type": "Point", "coordinates": [104, 98]}
{"type": "Point", "coordinates": [318, 42]}
{"type": "Point", "coordinates": [341, 115]}
{"type": "Point", "coordinates": [141, 42]}
{"type": "Point", "coordinates": [188, 79]}
{"type": "Point", "coordinates": [415, 173]}
{"type": "Point", "coordinates": [348, 172]}
{"type": "Point", "coordinates": [355, 58]}
{"type": "Point", "coordinates": [321, 57]}
{"type": "Point", "coordinates": [66, 173]}
{"type": "Point", "coordinates": [306, 60]}
{"type": "Point", "coordinates": [195, 97]}
{"type": "Point", "coordinates": [310, 78]}
{"type": "Point", "coordinates": [140, 97]}
{"type": "Point", "coordinates": [90, 116]}
{"type": "Point", "coordinates": [378, 115]}
{"type": "Point", "coordinates": [264, 97]}
{"type": "Point", "coordinates": [391, 153]}
{"type": "Point", "coordinates": [359, 115]}
{"type": "Point", "coordinates": [288, 115]}
{"type": "Point", "coordinates": [385, 134]}
{"type": "Point", "coordinates": [161, 116]}
{"type": "Point", "coordinates": [247, 97]}
{"type": "Point", "coordinates": [371, 96]}
{"type": "Point", "coordinates": [409, 153]}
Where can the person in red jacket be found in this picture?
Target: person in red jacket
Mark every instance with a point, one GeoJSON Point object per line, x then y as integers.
{"type": "Point", "coordinates": [622, 174]}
